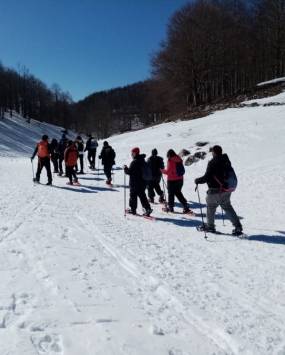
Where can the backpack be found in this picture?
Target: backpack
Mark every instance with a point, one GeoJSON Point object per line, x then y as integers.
{"type": "Point", "coordinates": [230, 180]}
{"type": "Point", "coordinates": [72, 156]}
{"type": "Point", "coordinates": [146, 171]}
{"type": "Point", "coordinates": [43, 149]}
{"type": "Point", "coordinates": [93, 143]}
{"type": "Point", "coordinates": [110, 153]}
{"type": "Point", "coordinates": [180, 170]}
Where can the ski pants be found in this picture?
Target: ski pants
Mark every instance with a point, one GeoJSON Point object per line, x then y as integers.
{"type": "Point", "coordinates": [222, 199]}
{"type": "Point", "coordinates": [44, 162]}
{"type": "Point", "coordinates": [153, 186]}
{"type": "Point", "coordinates": [81, 161]}
{"type": "Point", "coordinates": [91, 156]}
{"type": "Point", "coordinates": [70, 173]}
{"type": "Point", "coordinates": [174, 190]}
{"type": "Point", "coordinates": [54, 159]}
{"type": "Point", "coordinates": [134, 195]}
{"type": "Point", "coordinates": [108, 171]}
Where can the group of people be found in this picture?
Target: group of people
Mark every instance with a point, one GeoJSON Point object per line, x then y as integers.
{"type": "Point", "coordinates": [216, 176]}
{"type": "Point", "coordinates": [144, 175]}
{"type": "Point", "coordinates": [71, 152]}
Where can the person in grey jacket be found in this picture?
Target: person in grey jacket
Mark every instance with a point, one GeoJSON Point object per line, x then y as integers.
{"type": "Point", "coordinates": [218, 193]}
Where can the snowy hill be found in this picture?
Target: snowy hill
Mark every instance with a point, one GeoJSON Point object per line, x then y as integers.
{"type": "Point", "coordinates": [80, 278]}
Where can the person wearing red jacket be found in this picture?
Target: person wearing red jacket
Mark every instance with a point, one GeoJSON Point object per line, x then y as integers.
{"type": "Point", "coordinates": [42, 150]}
{"type": "Point", "coordinates": [70, 159]}
{"type": "Point", "coordinates": [175, 171]}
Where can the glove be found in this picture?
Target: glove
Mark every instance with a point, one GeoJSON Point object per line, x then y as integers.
{"type": "Point", "coordinates": [196, 181]}
{"type": "Point", "coordinates": [32, 159]}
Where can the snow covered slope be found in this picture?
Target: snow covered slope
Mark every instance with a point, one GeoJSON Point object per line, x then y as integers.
{"type": "Point", "coordinates": [80, 278]}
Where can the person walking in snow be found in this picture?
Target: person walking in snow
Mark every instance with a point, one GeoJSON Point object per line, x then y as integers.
{"type": "Point", "coordinates": [218, 194]}
{"type": "Point", "coordinates": [107, 156]}
{"type": "Point", "coordinates": [61, 149]}
{"type": "Point", "coordinates": [54, 154]}
{"type": "Point", "coordinates": [137, 182]}
{"type": "Point", "coordinates": [156, 164]}
{"type": "Point", "coordinates": [80, 147]}
{"type": "Point", "coordinates": [91, 148]}
{"type": "Point", "coordinates": [70, 159]}
{"type": "Point", "coordinates": [175, 171]}
{"type": "Point", "coordinates": [42, 150]}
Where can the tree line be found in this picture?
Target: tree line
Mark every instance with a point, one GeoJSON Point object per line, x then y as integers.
{"type": "Point", "coordinates": [23, 93]}
{"type": "Point", "coordinates": [214, 50]}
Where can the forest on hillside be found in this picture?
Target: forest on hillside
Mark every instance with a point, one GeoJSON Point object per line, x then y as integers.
{"type": "Point", "coordinates": [214, 50]}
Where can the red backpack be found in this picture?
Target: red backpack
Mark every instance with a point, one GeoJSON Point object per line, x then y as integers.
{"type": "Point", "coordinates": [43, 149]}
{"type": "Point", "coordinates": [71, 156]}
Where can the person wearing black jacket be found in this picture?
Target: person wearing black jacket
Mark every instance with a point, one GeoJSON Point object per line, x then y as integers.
{"type": "Point", "coordinates": [215, 178]}
{"type": "Point", "coordinates": [137, 182]}
{"type": "Point", "coordinates": [156, 164]}
{"type": "Point", "coordinates": [61, 149]}
{"type": "Point", "coordinates": [107, 156]}
{"type": "Point", "coordinates": [80, 147]}
{"type": "Point", "coordinates": [91, 148]}
{"type": "Point", "coordinates": [54, 154]}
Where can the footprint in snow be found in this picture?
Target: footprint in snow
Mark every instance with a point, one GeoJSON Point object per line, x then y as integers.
{"type": "Point", "coordinates": [48, 344]}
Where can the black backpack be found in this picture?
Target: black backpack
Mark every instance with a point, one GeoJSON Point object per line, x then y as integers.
{"type": "Point", "coordinates": [180, 170]}
{"type": "Point", "coordinates": [146, 171]}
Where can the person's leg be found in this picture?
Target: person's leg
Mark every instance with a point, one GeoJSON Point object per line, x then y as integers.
{"type": "Point", "coordinates": [171, 189]}
{"type": "Point", "coordinates": [39, 169]}
{"type": "Point", "coordinates": [229, 210]}
{"type": "Point", "coordinates": [150, 191]}
{"type": "Point", "coordinates": [133, 202]}
{"type": "Point", "coordinates": [178, 193]}
{"type": "Point", "coordinates": [81, 159]}
{"type": "Point", "coordinates": [212, 201]}
{"type": "Point", "coordinates": [69, 174]}
{"type": "Point", "coordinates": [157, 188]}
{"type": "Point", "coordinates": [89, 157]}
{"type": "Point", "coordinates": [48, 169]}
{"type": "Point", "coordinates": [60, 164]}
{"type": "Point", "coordinates": [144, 201]}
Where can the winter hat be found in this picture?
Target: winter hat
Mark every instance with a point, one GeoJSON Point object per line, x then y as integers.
{"type": "Point", "coordinates": [105, 144]}
{"type": "Point", "coordinates": [79, 138]}
{"type": "Point", "coordinates": [44, 137]}
{"type": "Point", "coordinates": [217, 149]}
{"type": "Point", "coordinates": [154, 152]}
{"type": "Point", "coordinates": [136, 151]}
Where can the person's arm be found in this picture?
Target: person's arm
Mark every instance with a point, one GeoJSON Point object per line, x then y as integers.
{"type": "Point", "coordinates": [206, 177]}
{"type": "Point", "coordinates": [165, 171]}
{"type": "Point", "coordinates": [35, 152]}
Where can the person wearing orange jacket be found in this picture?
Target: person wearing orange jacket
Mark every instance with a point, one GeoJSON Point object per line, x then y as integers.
{"type": "Point", "coordinates": [70, 159]}
{"type": "Point", "coordinates": [42, 150]}
{"type": "Point", "coordinates": [175, 171]}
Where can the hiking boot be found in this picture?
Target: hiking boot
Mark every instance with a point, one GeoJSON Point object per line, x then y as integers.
{"type": "Point", "coordinates": [69, 183]}
{"type": "Point", "coordinates": [49, 183]}
{"type": "Point", "coordinates": [109, 182]}
{"type": "Point", "coordinates": [130, 211]}
{"type": "Point", "coordinates": [161, 199]}
{"type": "Point", "coordinates": [147, 212]}
{"type": "Point", "coordinates": [205, 228]}
{"type": "Point", "coordinates": [151, 200]}
{"type": "Point", "coordinates": [59, 174]}
{"type": "Point", "coordinates": [237, 231]}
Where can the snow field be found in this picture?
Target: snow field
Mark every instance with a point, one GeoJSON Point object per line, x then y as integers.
{"type": "Point", "coordinates": [80, 278]}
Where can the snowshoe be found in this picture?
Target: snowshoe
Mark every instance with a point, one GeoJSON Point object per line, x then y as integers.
{"type": "Point", "coordinates": [147, 212]}
{"type": "Point", "coordinates": [130, 211]}
{"type": "Point", "coordinates": [205, 228]}
{"type": "Point", "coordinates": [69, 183]}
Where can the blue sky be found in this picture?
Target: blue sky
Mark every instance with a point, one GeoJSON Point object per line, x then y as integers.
{"type": "Point", "coordinates": [84, 45]}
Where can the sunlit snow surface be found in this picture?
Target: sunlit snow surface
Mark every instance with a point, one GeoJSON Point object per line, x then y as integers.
{"type": "Point", "coordinates": [77, 277]}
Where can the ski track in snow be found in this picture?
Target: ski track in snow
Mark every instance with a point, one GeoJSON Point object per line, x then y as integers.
{"type": "Point", "coordinates": [80, 278]}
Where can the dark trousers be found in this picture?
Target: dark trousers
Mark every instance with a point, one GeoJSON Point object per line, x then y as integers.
{"type": "Point", "coordinates": [134, 195]}
{"type": "Point", "coordinates": [91, 156]}
{"type": "Point", "coordinates": [70, 173]}
{"type": "Point", "coordinates": [81, 161]}
{"type": "Point", "coordinates": [108, 171]}
{"type": "Point", "coordinates": [43, 162]}
{"type": "Point", "coordinates": [54, 159]}
{"type": "Point", "coordinates": [174, 190]}
{"type": "Point", "coordinates": [154, 186]}
{"type": "Point", "coordinates": [60, 161]}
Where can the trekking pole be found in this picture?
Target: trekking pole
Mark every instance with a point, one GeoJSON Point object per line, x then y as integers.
{"type": "Point", "coordinates": [223, 216]}
{"type": "Point", "coordinates": [203, 223]}
{"type": "Point", "coordinates": [113, 175]}
{"type": "Point", "coordinates": [125, 195]}
{"type": "Point", "coordinates": [33, 170]}
{"type": "Point", "coordinates": [164, 192]}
